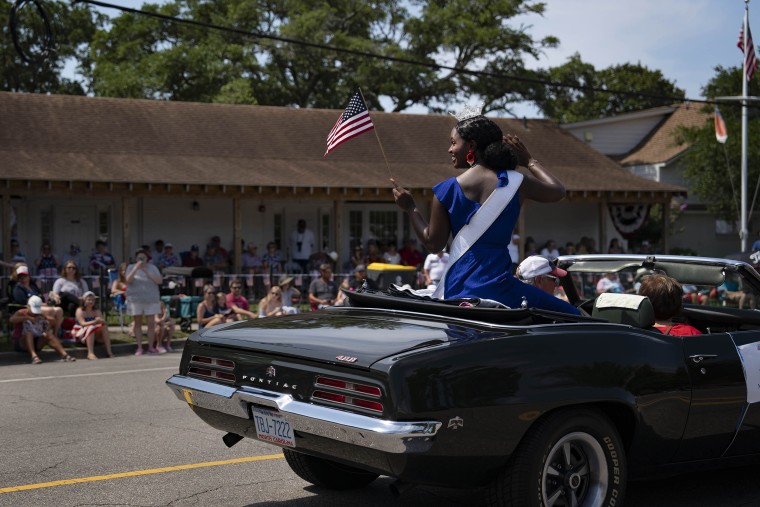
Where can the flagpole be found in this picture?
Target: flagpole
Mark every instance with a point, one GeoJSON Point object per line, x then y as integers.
{"type": "Point", "coordinates": [378, 139]}
{"type": "Point", "coordinates": [744, 233]}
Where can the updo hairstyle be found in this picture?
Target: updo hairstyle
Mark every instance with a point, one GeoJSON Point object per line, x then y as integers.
{"type": "Point", "coordinates": [491, 149]}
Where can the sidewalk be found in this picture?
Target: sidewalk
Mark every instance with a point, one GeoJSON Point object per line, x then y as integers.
{"type": "Point", "coordinates": [79, 351]}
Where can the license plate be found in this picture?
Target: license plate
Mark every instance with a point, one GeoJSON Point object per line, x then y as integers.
{"type": "Point", "coordinates": [272, 427]}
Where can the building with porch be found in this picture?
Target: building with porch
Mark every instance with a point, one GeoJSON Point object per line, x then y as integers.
{"type": "Point", "coordinates": [78, 169]}
{"type": "Point", "coordinates": [644, 143]}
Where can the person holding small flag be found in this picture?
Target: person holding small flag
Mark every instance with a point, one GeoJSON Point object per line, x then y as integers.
{"type": "Point", "coordinates": [480, 208]}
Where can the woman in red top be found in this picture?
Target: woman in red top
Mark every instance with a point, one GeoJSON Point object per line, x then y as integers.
{"type": "Point", "coordinates": [666, 296]}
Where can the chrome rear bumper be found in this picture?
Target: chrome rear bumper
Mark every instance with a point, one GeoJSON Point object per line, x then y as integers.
{"type": "Point", "coordinates": [339, 425]}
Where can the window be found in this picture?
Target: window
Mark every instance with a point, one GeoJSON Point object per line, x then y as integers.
{"type": "Point", "coordinates": [46, 227]}
{"type": "Point", "coordinates": [104, 229]}
{"type": "Point", "coordinates": [278, 231]}
{"type": "Point", "coordinates": [383, 226]}
{"type": "Point", "coordinates": [325, 231]}
{"type": "Point", "coordinates": [355, 228]}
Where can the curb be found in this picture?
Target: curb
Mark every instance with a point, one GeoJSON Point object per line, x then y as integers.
{"type": "Point", "coordinates": [79, 352]}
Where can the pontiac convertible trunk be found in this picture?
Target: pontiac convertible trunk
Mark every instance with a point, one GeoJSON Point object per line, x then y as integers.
{"type": "Point", "coordinates": [538, 407]}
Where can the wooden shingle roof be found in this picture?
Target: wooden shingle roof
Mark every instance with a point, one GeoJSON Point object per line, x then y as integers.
{"type": "Point", "coordinates": [660, 146]}
{"type": "Point", "coordinates": [71, 139]}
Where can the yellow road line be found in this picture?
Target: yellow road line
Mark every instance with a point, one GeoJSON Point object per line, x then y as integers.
{"type": "Point", "coordinates": [135, 473]}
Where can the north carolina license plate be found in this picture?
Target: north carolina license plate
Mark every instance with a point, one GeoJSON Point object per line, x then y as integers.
{"type": "Point", "coordinates": [272, 427]}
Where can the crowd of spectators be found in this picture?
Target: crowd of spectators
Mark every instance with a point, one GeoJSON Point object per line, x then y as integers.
{"type": "Point", "coordinates": [585, 245]}
{"type": "Point", "coordinates": [279, 282]}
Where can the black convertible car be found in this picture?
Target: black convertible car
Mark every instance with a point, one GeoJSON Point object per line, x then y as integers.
{"type": "Point", "coordinates": [539, 408]}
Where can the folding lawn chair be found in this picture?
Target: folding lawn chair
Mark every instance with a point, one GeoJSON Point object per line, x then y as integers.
{"type": "Point", "coordinates": [118, 303]}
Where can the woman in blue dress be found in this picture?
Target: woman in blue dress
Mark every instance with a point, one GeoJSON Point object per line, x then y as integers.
{"type": "Point", "coordinates": [483, 268]}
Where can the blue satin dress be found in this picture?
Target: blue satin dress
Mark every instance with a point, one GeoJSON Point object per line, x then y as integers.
{"type": "Point", "coordinates": [484, 271]}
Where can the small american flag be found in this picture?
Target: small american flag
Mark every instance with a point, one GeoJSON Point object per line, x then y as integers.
{"type": "Point", "coordinates": [750, 62]}
{"type": "Point", "coordinates": [353, 122]}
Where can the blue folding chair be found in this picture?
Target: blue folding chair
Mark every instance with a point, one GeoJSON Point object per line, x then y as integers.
{"type": "Point", "coordinates": [118, 302]}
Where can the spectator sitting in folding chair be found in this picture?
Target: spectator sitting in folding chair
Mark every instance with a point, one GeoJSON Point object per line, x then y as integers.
{"type": "Point", "coordinates": [165, 328]}
{"type": "Point", "coordinates": [32, 332]}
{"type": "Point", "coordinates": [91, 326]}
{"type": "Point", "coordinates": [118, 288]}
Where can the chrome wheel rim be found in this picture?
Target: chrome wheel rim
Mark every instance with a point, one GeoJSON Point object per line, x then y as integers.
{"type": "Point", "coordinates": [575, 472]}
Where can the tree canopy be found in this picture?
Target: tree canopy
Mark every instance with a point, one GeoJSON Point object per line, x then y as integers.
{"type": "Point", "coordinates": [316, 53]}
{"type": "Point", "coordinates": [147, 57]}
{"type": "Point", "coordinates": [73, 28]}
{"type": "Point", "coordinates": [591, 93]}
{"type": "Point", "coordinates": [713, 170]}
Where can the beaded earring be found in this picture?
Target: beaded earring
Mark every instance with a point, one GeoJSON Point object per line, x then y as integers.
{"type": "Point", "coordinates": [470, 158]}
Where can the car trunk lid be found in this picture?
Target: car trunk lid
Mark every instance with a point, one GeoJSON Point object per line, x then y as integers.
{"type": "Point", "coordinates": [353, 337]}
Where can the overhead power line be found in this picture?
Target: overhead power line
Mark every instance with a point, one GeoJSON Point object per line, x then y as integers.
{"type": "Point", "coordinates": [346, 51]}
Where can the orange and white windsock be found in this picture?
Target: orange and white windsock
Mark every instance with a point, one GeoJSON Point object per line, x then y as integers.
{"type": "Point", "coordinates": [721, 134]}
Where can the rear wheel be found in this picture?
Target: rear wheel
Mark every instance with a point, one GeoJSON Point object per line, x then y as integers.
{"type": "Point", "coordinates": [325, 473]}
{"type": "Point", "coordinates": [571, 458]}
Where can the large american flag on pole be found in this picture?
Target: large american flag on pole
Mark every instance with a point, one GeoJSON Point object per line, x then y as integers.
{"type": "Point", "coordinates": [353, 122]}
{"type": "Point", "coordinates": [750, 62]}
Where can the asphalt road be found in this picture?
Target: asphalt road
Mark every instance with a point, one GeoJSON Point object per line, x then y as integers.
{"type": "Point", "coordinates": [110, 433]}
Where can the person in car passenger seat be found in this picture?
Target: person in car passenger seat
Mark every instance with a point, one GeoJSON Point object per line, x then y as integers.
{"type": "Point", "coordinates": [666, 296]}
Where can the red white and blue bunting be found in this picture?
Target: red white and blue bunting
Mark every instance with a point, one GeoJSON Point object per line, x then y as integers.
{"type": "Point", "coordinates": [629, 218]}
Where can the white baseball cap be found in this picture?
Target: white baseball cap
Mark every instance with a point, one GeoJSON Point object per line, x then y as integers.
{"type": "Point", "coordinates": [35, 305]}
{"type": "Point", "coordinates": [538, 265]}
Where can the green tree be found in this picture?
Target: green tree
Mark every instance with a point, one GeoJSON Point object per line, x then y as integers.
{"type": "Point", "coordinates": [713, 170]}
{"type": "Point", "coordinates": [586, 95]}
{"type": "Point", "coordinates": [137, 56]}
{"type": "Point", "coordinates": [72, 26]}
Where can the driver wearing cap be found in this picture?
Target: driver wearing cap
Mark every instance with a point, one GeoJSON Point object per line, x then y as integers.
{"type": "Point", "coordinates": [541, 272]}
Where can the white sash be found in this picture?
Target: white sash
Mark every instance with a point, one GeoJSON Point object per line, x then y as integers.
{"type": "Point", "coordinates": [479, 223]}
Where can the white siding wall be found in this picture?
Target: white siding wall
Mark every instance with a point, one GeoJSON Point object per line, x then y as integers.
{"type": "Point", "coordinates": [615, 138]}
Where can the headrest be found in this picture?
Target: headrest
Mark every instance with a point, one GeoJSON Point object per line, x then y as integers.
{"type": "Point", "coordinates": [628, 309]}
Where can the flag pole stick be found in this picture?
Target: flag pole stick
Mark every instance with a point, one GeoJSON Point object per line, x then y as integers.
{"type": "Point", "coordinates": [743, 234]}
{"type": "Point", "coordinates": [730, 177]}
{"type": "Point", "coordinates": [378, 139]}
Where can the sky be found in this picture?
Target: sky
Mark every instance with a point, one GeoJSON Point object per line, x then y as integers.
{"type": "Point", "coordinates": [683, 39]}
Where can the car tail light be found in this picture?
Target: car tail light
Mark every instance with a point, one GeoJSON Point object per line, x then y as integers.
{"type": "Point", "coordinates": [348, 393]}
{"type": "Point", "coordinates": [212, 367]}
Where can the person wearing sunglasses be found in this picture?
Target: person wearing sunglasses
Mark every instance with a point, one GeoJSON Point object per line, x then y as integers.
{"type": "Point", "coordinates": [540, 271]}
{"type": "Point", "coordinates": [271, 304]}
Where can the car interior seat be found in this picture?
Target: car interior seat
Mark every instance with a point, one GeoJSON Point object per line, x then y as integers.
{"type": "Point", "coordinates": [629, 309]}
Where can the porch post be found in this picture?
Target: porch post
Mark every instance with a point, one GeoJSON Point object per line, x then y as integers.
{"type": "Point", "coordinates": [237, 222]}
{"type": "Point", "coordinates": [665, 227]}
{"type": "Point", "coordinates": [126, 247]}
{"type": "Point", "coordinates": [6, 197]}
{"type": "Point", "coordinates": [338, 231]}
{"type": "Point", "coordinates": [603, 210]}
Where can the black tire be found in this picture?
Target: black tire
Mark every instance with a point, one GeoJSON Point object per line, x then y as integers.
{"type": "Point", "coordinates": [327, 474]}
{"type": "Point", "coordinates": [571, 453]}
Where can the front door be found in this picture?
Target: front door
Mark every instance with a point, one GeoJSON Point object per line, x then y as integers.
{"type": "Point", "coordinates": [75, 224]}
{"type": "Point", "coordinates": [383, 223]}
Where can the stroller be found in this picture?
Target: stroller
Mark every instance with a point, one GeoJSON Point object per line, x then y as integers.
{"type": "Point", "coordinates": [184, 307]}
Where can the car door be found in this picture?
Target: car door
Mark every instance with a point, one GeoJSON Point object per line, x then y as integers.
{"type": "Point", "coordinates": [718, 396]}
{"type": "Point", "coordinates": [747, 439]}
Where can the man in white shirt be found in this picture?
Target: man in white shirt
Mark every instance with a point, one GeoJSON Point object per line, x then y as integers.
{"type": "Point", "coordinates": [301, 245]}
{"type": "Point", "coordinates": [435, 265]}
{"type": "Point", "coordinates": [550, 249]}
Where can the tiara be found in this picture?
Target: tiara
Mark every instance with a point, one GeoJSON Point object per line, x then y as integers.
{"type": "Point", "coordinates": [468, 112]}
